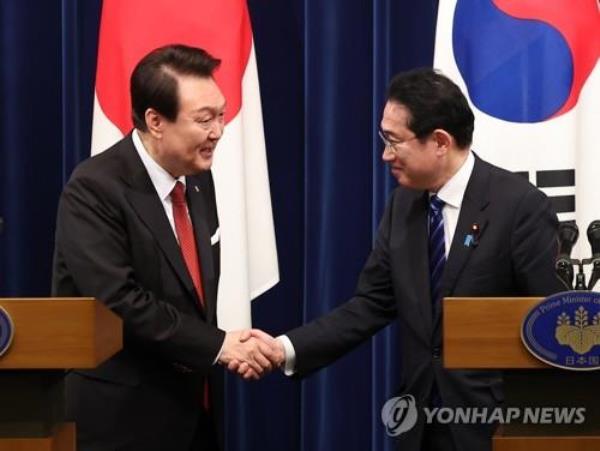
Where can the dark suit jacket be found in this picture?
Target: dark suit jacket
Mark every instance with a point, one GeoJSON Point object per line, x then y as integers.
{"type": "Point", "coordinates": [514, 257]}
{"type": "Point", "coordinates": [114, 242]}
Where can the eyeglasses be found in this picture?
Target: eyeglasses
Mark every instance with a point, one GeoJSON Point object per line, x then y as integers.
{"type": "Point", "coordinates": [393, 145]}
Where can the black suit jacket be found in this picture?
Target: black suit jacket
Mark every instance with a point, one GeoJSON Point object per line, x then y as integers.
{"type": "Point", "coordinates": [114, 242]}
{"type": "Point", "coordinates": [514, 257]}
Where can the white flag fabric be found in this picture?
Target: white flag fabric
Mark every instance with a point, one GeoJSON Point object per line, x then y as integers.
{"type": "Point", "coordinates": [130, 29]}
{"type": "Point", "coordinates": [530, 68]}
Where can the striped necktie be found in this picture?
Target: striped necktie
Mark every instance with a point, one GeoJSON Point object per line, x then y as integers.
{"type": "Point", "coordinates": [437, 261]}
{"type": "Point", "coordinates": [437, 249]}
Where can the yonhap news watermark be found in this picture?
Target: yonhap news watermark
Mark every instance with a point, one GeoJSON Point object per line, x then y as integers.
{"type": "Point", "coordinates": [400, 414]}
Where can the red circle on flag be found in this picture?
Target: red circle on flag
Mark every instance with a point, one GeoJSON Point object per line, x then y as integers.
{"type": "Point", "coordinates": [130, 29]}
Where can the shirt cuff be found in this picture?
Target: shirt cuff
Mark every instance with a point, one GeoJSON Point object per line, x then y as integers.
{"type": "Point", "coordinates": [289, 366]}
{"type": "Point", "coordinates": [219, 354]}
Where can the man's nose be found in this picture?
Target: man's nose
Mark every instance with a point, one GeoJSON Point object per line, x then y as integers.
{"type": "Point", "coordinates": [216, 129]}
{"type": "Point", "coordinates": [387, 155]}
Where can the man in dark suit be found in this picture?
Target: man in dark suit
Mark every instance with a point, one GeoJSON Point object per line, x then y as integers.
{"type": "Point", "coordinates": [137, 229]}
{"type": "Point", "coordinates": [456, 226]}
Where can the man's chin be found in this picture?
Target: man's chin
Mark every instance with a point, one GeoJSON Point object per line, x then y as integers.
{"type": "Point", "coordinates": [400, 177]}
{"type": "Point", "coordinates": [409, 183]}
{"type": "Point", "coordinates": [403, 181]}
{"type": "Point", "coordinates": [197, 168]}
{"type": "Point", "coordinates": [204, 164]}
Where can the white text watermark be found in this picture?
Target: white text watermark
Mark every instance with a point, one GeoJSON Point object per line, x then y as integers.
{"type": "Point", "coordinates": [400, 414]}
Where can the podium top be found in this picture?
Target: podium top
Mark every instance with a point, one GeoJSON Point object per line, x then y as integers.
{"type": "Point", "coordinates": [56, 333]}
{"type": "Point", "coordinates": [485, 333]}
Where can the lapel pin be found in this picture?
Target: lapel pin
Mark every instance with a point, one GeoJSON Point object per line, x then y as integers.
{"type": "Point", "coordinates": [468, 240]}
{"type": "Point", "coordinates": [472, 239]}
{"type": "Point", "coordinates": [196, 188]}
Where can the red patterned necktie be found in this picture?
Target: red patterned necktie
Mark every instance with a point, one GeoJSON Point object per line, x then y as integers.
{"type": "Point", "coordinates": [187, 240]}
{"type": "Point", "coordinates": [187, 243]}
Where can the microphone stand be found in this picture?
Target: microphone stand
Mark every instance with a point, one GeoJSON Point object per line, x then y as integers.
{"type": "Point", "coordinates": [564, 270]}
{"type": "Point", "coordinates": [580, 278]}
{"type": "Point", "coordinates": [564, 264]}
{"type": "Point", "coordinates": [595, 272]}
{"type": "Point", "coordinates": [580, 284]}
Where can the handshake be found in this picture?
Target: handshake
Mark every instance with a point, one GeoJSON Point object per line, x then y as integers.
{"type": "Point", "coordinates": [251, 353]}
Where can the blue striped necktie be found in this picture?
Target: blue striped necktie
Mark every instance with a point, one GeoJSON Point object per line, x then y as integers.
{"type": "Point", "coordinates": [437, 249]}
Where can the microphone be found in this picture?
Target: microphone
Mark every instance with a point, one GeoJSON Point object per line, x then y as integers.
{"type": "Point", "coordinates": [568, 232]}
{"type": "Point", "coordinates": [593, 234]}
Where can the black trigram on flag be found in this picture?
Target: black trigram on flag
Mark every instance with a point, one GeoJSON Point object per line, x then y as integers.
{"type": "Point", "coordinates": [559, 186]}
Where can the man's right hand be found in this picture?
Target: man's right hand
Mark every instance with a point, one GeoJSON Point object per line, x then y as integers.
{"type": "Point", "coordinates": [276, 354]}
{"type": "Point", "coordinates": [249, 356]}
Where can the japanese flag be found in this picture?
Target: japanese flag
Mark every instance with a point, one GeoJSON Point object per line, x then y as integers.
{"type": "Point", "coordinates": [129, 30]}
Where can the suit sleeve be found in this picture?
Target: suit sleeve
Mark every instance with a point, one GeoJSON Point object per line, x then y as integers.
{"type": "Point", "coordinates": [93, 247]}
{"type": "Point", "coordinates": [373, 306]}
{"type": "Point", "coordinates": [534, 245]}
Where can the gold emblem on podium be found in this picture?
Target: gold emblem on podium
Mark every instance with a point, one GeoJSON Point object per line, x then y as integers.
{"type": "Point", "coordinates": [581, 336]}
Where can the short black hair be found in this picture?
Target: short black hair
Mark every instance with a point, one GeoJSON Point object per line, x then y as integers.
{"type": "Point", "coordinates": [434, 101]}
{"type": "Point", "coordinates": [153, 83]}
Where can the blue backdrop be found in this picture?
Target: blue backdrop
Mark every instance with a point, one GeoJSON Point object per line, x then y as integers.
{"type": "Point", "coordinates": [323, 68]}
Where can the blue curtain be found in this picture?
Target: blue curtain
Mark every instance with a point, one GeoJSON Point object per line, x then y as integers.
{"type": "Point", "coordinates": [323, 68]}
{"type": "Point", "coordinates": [47, 56]}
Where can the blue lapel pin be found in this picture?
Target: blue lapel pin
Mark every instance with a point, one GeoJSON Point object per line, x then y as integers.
{"type": "Point", "coordinates": [468, 240]}
{"type": "Point", "coordinates": [472, 239]}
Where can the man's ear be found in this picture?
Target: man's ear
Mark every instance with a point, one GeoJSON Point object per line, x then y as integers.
{"type": "Point", "coordinates": [154, 122]}
{"type": "Point", "coordinates": [443, 140]}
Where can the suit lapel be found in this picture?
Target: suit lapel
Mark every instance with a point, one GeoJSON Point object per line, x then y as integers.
{"type": "Point", "coordinates": [198, 210]}
{"type": "Point", "coordinates": [417, 261]}
{"type": "Point", "coordinates": [472, 211]}
{"type": "Point", "coordinates": [146, 203]}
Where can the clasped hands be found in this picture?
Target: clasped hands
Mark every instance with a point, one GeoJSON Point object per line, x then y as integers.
{"type": "Point", "coordinates": [251, 353]}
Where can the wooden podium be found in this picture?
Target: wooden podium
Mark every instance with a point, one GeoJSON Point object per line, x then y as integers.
{"type": "Point", "coordinates": [485, 333]}
{"type": "Point", "coordinates": [50, 335]}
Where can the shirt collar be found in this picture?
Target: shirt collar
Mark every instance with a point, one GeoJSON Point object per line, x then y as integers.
{"type": "Point", "coordinates": [163, 181]}
{"type": "Point", "coordinates": [453, 192]}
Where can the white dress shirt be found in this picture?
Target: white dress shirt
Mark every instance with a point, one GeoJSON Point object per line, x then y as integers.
{"type": "Point", "coordinates": [163, 181]}
{"type": "Point", "coordinates": [452, 194]}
